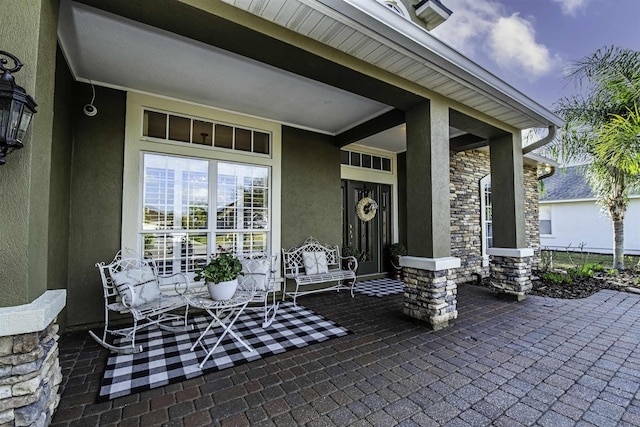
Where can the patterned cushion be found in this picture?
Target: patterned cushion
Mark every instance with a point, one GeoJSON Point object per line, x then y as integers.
{"type": "Point", "coordinates": [137, 286]}
{"type": "Point", "coordinates": [260, 269]}
{"type": "Point", "coordinates": [315, 262]}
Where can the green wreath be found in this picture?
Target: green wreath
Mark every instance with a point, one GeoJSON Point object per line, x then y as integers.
{"type": "Point", "coordinates": [366, 209]}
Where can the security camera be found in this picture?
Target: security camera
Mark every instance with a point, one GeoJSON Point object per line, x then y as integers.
{"type": "Point", "coordinates": [90, 110]}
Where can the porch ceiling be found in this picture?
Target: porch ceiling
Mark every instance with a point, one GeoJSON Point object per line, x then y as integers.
{"type": "Point", "coordinates": [113, 51]}
{"type": "Point", "coordinates": [175, 49]}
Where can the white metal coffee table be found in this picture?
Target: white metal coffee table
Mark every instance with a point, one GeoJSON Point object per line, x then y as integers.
{"type": "Point", "coordinates": [224, 314]}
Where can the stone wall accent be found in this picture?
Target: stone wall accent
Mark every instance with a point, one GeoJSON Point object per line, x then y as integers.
{"type": "Point", "coordinates": [531, 212]}
{"type": "Point", "coordinates": [30, 376]}
{"type": "Point", "coordinates": [511, 275]}
{"type": "Point", "coordinates": [430, 296]}
{"type": "Point", "coordinates": [467, 168]}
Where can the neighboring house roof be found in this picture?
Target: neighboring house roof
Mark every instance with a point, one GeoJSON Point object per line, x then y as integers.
{"type": "Point", "coordinates": [566, 184]}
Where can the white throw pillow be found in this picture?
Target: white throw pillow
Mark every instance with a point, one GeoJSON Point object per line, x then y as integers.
{"type": "Point", "coordinates": [256, 271]}
{"type": "Point", "coordinates": [137, 286]}
{"type": "Point", "coordinates": [315, 262]}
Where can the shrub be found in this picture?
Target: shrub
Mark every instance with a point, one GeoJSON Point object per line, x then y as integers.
{"type": "Point", "coordinates": [557, 278]}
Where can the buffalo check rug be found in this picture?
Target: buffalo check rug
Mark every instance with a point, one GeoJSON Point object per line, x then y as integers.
{"type": "Point", "coordinates": [166, 357]}
{"type": "Point", "coordinates": [379, 287]}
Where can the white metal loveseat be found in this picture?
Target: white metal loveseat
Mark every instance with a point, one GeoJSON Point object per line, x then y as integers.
{"type": "Point", "coordinates": [131, 284]}
{"type": "Point", "coordinates": [314, 263]}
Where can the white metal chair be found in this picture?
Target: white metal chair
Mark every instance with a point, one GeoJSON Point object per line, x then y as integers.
{"type": "Point", "coordinates": [259, 269]}
{"type": "Point", "coordinates": [131, 284]}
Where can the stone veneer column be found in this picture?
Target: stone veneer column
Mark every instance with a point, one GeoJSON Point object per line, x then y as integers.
{"type": "Point", "coordinates": [30, 372]}
{"type": "Point", "coordinates": [510, 271]}
{"type": "Point", "coordinates": [430, 290]}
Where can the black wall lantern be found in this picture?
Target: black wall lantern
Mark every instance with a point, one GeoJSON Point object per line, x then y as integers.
{"type": "Point", "coordinates": [17, 108]}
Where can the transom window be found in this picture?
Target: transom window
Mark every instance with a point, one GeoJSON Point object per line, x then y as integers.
{"type": "Point", "coordinates": [190, 207]}
{"type": "Point", "coordinates": [364, 160]}
{"type": "Point", "coordinates": [182, 129]}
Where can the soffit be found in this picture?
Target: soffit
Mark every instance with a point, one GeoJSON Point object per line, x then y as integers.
{"type": "Point", "coordinates": [369, 31]}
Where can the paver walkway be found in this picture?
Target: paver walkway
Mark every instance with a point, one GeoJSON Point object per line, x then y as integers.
{"type": "Point", "coordinates": [541, 361]}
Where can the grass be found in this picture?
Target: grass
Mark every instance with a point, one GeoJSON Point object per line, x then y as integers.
{"type": "Point", "coordinates": [562, 259]}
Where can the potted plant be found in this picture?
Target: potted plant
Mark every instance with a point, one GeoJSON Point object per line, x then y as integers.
{"type": "Point", "coordinates": [221, 274]}
{"type": "Point", "coordinates": [396, 251]}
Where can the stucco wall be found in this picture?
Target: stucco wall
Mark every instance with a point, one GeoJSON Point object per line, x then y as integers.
{"type": "Point", "coordinates": [310, 188]}
{"type": "Point", "coordinates": [96, 198]}
{"type": "Point", "coordinates": [28, 31]}
{"type": "Point", "coordinates": [467, 168]}
{"type": "Point", "coordinates": [60, 181]}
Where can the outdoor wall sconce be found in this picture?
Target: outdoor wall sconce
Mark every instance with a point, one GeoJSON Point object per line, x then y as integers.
{"type": "Point", "coordinates": [17, 108]}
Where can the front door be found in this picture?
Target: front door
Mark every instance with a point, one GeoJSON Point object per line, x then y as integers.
{"type": "Point", "coordinates": [371, 238]}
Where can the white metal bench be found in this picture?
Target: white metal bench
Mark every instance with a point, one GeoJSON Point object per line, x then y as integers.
{"type": "Point", "coordinates": [314, 263]}
{"type": "Point", "coordinates": [131, 284]}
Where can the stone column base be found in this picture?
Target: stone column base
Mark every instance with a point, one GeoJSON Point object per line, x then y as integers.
{"type": "Point", "coordinates": [30, 373]}
{"type": "Point", "coordinates": [430, 289]}
{"type": "Point", "coordinates": [510, 271]}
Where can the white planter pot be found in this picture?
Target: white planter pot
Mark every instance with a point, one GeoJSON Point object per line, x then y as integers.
{"type": "Point", "coordinates": [223, 290]}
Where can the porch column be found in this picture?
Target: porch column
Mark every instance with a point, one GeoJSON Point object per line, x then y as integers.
{"type": "Point", "coordinates": [429, 270]}
{"type": "Point", "coordinates": [30, 372]}
{"type": "Point", "coordinates": [510, 264]}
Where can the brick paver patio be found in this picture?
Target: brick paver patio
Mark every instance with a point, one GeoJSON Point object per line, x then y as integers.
{"type": "Point", "coordinates": [542, 361]}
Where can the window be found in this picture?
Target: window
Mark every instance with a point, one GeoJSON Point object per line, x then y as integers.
{"type": "Point", "coordinates": [486, 215]}
{"type": "Point", "coordinates": [175, 128]}
{"type": "Point", "coordinates": [192, 206]}
{"type": "Point", "coordinates": [545, 219]}
{"type": "Point", "coordinates": [396, 6]}
{"type": "Point", "coordinates": [365, 161]}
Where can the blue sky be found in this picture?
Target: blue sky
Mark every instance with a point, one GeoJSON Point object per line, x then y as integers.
{"type": "Point", "coordinates": [530, 43]}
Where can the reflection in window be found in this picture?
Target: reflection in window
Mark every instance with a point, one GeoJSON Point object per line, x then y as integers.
{"type": "Point", "coordinates": [176, 226]}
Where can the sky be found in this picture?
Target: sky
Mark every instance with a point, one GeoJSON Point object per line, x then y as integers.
{"type": "Point", "coordinates": [531, 44]}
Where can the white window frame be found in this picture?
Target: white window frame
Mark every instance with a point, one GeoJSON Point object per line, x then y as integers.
{"type": "Point", "coordinates": [136, 145]}
{"type": "Point", "coordinates": [483, 220]}
{"type": "Point", "coordinates": [546, 208]}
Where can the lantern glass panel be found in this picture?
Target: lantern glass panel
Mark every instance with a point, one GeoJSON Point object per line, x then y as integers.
{"type": "Point", "coordinates": [4, 118]}
{"type": "Point", "coordinates": [24, 125]}
{"type": "Point", "coordinates": [16, 112]}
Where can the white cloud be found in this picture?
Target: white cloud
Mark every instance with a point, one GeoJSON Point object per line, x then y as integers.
{"type": "Point", "coordinates": [570, 7]}
{"type": "Point", "coordinates": [511, 43]}
{"type": "Point", "coordinates": [485, 27]}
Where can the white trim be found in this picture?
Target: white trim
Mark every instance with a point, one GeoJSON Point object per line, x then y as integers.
{"type": "Point", "coordinates": [511, 252]}
{"type": "Point", "coordinates": [136, 146]}
{"type": "Point", "coordinates": [430, 264]}
{"type": "Point", "coordinates": [32, 317]}
{"type": "Point", "coordinates": [483, 219]}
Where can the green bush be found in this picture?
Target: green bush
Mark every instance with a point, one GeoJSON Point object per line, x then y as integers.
{"type": "Point", "coordinates": [557, 278]}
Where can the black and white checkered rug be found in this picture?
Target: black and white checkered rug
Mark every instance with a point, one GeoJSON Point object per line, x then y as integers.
{"type": "Point", "coordinates": [379, 287]}
{"type": "Point", "coordinates": [167, 359]}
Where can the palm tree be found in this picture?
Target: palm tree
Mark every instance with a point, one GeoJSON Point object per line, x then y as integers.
{"type": "Point", "coordinates": [598, 130]}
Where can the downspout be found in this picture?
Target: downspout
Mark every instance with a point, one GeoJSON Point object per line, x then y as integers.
{"type": "Point", "coordinates": [540, 143]}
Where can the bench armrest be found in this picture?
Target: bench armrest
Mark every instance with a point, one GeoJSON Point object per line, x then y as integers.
{"type": "Point", "coordinates": [352, 262]}
{"type": "Point", "coordinates": [181, 285]}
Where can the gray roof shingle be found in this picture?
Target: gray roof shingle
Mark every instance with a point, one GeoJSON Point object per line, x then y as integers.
{"type": "Point", "coordinates": [565, 184]}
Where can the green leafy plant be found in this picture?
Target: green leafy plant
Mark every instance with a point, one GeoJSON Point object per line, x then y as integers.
{"type": "Point", "coordinates": [223, 267]}
{"type": "Point", "coordinates": [351, 251]}
{"type": "Point", "coordinates": [612, 271]}
{"type": "Point", "coordinates": [398, 249]}
{"type": "Point", "coordinates": [557, 278]}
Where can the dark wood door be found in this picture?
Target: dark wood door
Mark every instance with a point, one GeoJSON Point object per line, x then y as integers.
{"type": "Point", "coordinates": [371, 238]}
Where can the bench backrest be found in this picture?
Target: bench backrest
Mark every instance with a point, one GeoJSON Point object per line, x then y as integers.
{"type": "Point", "coordinates": [133, 278]}
{"type": "Point", "coordinates": [293, 261]}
